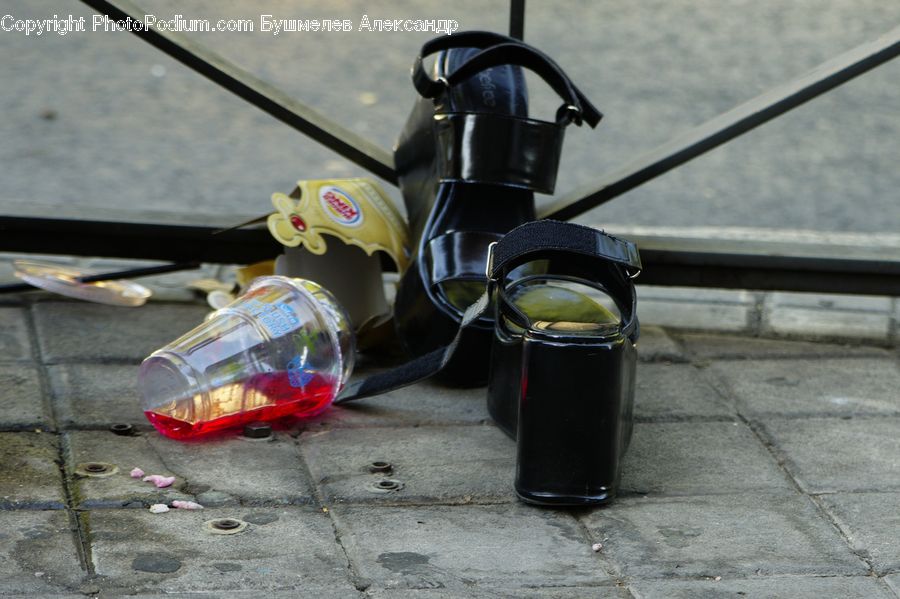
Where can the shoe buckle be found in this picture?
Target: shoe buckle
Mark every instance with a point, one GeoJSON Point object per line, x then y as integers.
{"type": "Point", "coordinates": [569, 113]}
{"type": "Point", "coordinates": [489, 266]}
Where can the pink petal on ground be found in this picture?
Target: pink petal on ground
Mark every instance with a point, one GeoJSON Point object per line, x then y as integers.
{"type": "Point", "coordinates": [159, 480]}
{"type": "Point", "coordinates": [137, 473]}
{"type": "Point", "coordinates": [186, 505]}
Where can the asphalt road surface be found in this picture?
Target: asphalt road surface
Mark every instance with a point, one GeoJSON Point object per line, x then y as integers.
{"type": "Point", "coordinates": [96, 119]}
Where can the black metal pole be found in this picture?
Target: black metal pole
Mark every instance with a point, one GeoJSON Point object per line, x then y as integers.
{"type": "Point", "coordinates": [517, 19]}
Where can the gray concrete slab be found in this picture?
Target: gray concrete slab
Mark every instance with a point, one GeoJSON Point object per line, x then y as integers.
{"type": "Point", "coordinates": [426, 403]}
{"type": "Point", "coordinates": [38, 556]}
{"type": "Point", "coordinates": [768, 587]}
{"type": "Point", "coordinates": [91, 395]}
{"type": "Point", "coordinates": [22, 404]}
{"type": "Point", "coordinates": [828, 455]}
{"type": "Point", "coordinates": [455, 464]}
{"type": "Point", "coordinates": [871, 524]}
{"type": "Point", "coordinates": [174, 552]}
{"type": "Point", "coordinates": [813, 387]}
{"type": "Point", "coordinates": [706, 346]}
{"type": "Point", "coordinates": [213, 472]}
{"type": "Point", "coordinates": [491, 592]}
{"type": "Point", "coordinates": [14, 339]}
{"type": "Point", "coordinates": [697, 316]}
{"type": "Point", "coordinates": [29, 472]}
{"type": "Point", "coordinates": [82, 332]}
{"type": "Point", "coordinates": [699, 458]}
{"type": "Point", "coordinates": [677, 392]}
{"type": "Point", "coordinates": [724, 535]}
{"type": "Point", "coordinates": [800, 322]}
{"type": "Point", "coordinates": [656, 345]}
{"type": "Point", "coordinates": [458, 547]}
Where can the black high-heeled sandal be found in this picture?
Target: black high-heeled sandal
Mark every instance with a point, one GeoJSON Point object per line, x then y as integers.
{"type": "Point", "coordinates": [469, 161]}
{"type": "Point", "coordinates": [563, 365]}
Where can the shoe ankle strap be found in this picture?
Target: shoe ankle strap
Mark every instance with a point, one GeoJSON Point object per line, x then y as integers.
{"type": "Point", "coordinates": [573, 251]}
{"type": "Point", "coordinates": [428, 87]}
{"type": "Point", "coordinates": [499, 50]}
{"type": "Point", "coordinates": [531, 241]}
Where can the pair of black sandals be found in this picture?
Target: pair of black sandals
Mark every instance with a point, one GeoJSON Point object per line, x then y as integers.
{"type": "Point", "coordinates": [542, 311]}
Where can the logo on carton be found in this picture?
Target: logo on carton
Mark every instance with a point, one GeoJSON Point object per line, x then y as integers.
{"type": "Point", "coordinates": [340, 207]}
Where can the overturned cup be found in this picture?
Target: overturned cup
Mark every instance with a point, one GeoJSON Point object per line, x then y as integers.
{"type": "Point", "coordinates": [283, 348]}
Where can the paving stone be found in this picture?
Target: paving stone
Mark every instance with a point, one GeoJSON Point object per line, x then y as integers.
{"type": "Point", "coordinates": [813, 387]}
{"type": "Point", "coordinates": [217, 471]}
{"type": "Point", "coordinates": [829, 302]}
{"type": "Point", "coordinates": [458, 547]}
{"type": "Point", "coordinates": [483, 591]}
{"type": "Point", "coordinates": [831, 324]}
{"type": "Point", "coordinates": [694, 294]}
{"type": "Point", "coordinates": [677, 391]}
{"type": "Point", "coordinates": [14, 334]}
{"type": "Point", "coordinates": [722, 535]}
{"type": "Point", "coordinates": [38, 557]}
{"type": "Point", "coordinates": [445, 464]}
{"type": "Point", "coordinates": [699, 458]}
{"type": "Point", "coordinates": [174, 552]}
{"type": "Point", "coordinates": [83, 332]}
{"type": "Point", "coordinates": [695, 315]}
{"type": "Point", "coordinates": [319, 593]}
{"type": "Point", "coordinates": [425, 403]}
{"type": "Point", "coordinates": [827, 455]}
{"type": "Point", "coordinates": [804, 587]}
{"type": "Point", "coordinates": [29, 472]}
{"type": "Point", "coordinates": [871, 522]}
{"type": "Point", "coordinates": [90, 395]}
{"type": "Point", "coordinates": [655, 345]}
{"type": "Point", "coordinates": [729, 347]}
{"type": "Point", "coordinates": [21, 399]}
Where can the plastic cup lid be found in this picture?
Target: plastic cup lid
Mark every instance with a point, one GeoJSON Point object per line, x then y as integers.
{"type": "Point", "coordinates": [64, 281]}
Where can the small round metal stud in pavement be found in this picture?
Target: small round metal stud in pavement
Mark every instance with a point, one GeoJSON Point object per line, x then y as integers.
{"type": "Point", "coordinates": [121, 428]}
{"type": "Point", "coordinates": [96, 469]}
{"type": "Point", "coordinates": [385, 485]}
{"type": "Point", "coordinates": [257, 430]}
{"type": "Point", "coordinates": [225, 526]}
{"type": "Point", "coordinates": [381, 466]}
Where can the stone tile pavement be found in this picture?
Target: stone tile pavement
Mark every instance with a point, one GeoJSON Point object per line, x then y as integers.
{"type": "Point", "coordinates": [759, 468]}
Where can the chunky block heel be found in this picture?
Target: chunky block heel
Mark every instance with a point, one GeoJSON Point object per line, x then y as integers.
{"type": "Point", "coordinates": [574, 419]}
{"type": "Point", "coordinates": [563, 366]}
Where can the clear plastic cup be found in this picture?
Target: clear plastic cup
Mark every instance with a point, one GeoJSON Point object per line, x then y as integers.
{"type": "Point", "coordinates": [283, 348]}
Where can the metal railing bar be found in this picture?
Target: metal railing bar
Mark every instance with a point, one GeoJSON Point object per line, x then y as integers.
{"type": "Point", "coordinates": [263, 95]}
{"type": "Point", "coordinates": [690, 262]}
{"type": "Point", "coordinates": [727, 126]}
{"type": "Point", "coordinates": [517, 19]}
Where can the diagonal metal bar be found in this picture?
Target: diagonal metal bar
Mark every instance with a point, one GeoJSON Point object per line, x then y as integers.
{"type": "Point", "coordinates": [727, 126]}
{"type": "Point", "coordinates": [517, 19]}
{"type": "Point", "coordinates": [264, 96]}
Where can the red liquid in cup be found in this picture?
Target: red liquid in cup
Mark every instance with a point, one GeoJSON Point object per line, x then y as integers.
{"type": "Point", "coordinates": [265, 397]}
